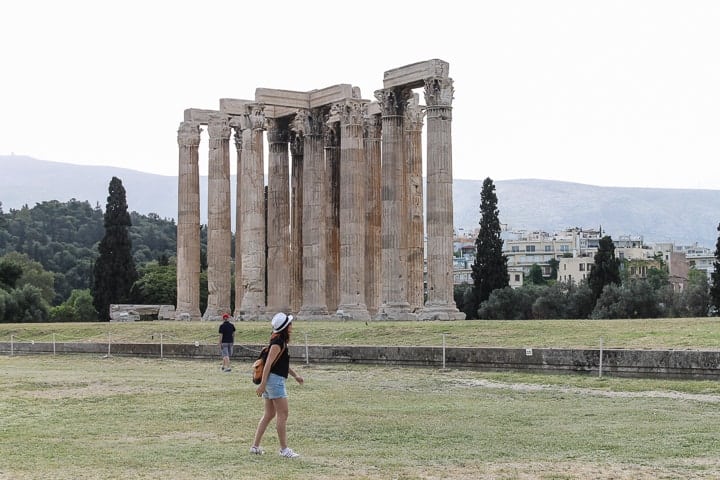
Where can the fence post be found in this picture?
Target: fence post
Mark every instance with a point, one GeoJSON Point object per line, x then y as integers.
{"type": "Point", "coordinates": [12, 345]}
{"type": "Point", "coordinates": [161, 345]}
{"type": "Point", "coordinates": [601, 355]}
{"type": "Point", "coordinates": [109, 341]}
{"type": "Point", "coordinates": [443, 351]}
{"type": "Point", "coordinates": [53, 344]}
{"type": "Point", "coordinates": [307, 351]}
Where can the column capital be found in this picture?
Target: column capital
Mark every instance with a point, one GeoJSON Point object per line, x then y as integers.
{"type": "Point", "coordinates": [439, 92]}
{"type": "Point", "coordinates": [392, 100]}
{"type": "Point", "coordinates": [219, 128]}
{"type": "Point", "coordinates": [349, 112]}
{"type": "Point", "coordinates": [257, 116]}
{"type": "Point", "coordinates": [331, 134]}
{"type": "Point", "coordinates": [297, 144]}
{"type": "Point", "coordinates": [277, 130]}
{"type": "Point", "coordinates": [414, 113]}
{"type": "Point", "coordinates": [189, 134]}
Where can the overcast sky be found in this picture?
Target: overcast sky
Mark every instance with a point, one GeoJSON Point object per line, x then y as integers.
{"type": "Point", "coordinates": [611, 93]}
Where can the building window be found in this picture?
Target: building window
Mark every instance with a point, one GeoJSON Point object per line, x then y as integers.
{"type": "Point", "coordinates": [564, 248]}
{"type": "Point", "coordinates": [582, 267]}
{"type": "Point", "coordinates": [529, 248]}
{"type": "Point", "coordinates": [517, 278]}
{"type": "Point", "coordinates": [548, 248]}
{"type": "Point", "coordinates": [515, 248]}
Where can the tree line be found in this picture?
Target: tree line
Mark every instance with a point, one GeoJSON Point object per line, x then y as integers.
{"type": "Point", "coordinates": [608, 291]}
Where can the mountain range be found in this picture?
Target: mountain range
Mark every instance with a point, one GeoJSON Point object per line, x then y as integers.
{"type": "Point", "coordinates": [681, 216]}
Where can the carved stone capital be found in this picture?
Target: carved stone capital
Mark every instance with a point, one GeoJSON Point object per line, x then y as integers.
{"type": "Point", "coordinates": [218, 128]}
{"type": "Point", "coordinates": [189, 134]}
{"type": "Point", "coordinates": [350, 112]}
{"type": "Point", "coordinates": [414, 113]}
{"type": "Point", "coordinates": [332, 135]}
{"type": "Point", "coordinates": [297, 124]}
{"type": "Point", "coordinates": [373, 126]}
{"type": "Point", "coordinates": [277, 130]}
{"type": "Point", "coordinates": [439, 92]}
{"type": "Point", "coordinates": [257, 117]}
{"type": "Point", "coordinates": [392, 101]}
{"type": "Point", "coordinates": [297, 144]}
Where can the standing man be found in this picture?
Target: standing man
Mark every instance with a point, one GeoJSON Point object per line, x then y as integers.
{"type": "Point", "coordinates": [227, 338]}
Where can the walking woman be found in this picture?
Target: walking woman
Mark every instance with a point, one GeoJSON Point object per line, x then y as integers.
{"type": "Point", "coordinates": [272, 386]}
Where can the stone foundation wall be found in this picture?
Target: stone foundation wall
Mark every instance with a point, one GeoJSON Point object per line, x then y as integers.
{"type": "Point", "coordinates": [681, 364]}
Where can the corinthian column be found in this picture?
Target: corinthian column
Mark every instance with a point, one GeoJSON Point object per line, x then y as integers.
{"type": "Point", "coordinates": [218, 243]}
{"type": "Point", "coordinates": [394, 301]}
{"type": "Point", "coordinates": [352, 212]}
{"type": "Point", "coordinates": [237, 124]}
{"type": "Point", "coordinates": [332, 212]}
{"type": "Point", "coordinates": [278, 217]}
{"type": "Point", "coordinates": [188, 226]}
{"type": "Point", "coordinates": [373, 212]}
{"type": "Point", "coordinates": [413, 150]}
{"type": "Point", "coordinates": [296, 219]}
{"type": "Point", "coordinates": [313, 226]}
{"type": "Point", "coordinates": [440, 303]}
{"type": "Point", "coordinates": [252, 305]}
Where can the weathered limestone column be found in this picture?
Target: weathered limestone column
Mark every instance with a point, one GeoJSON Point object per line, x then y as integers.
{"type": "Point", "coordinates": [413, 150]}
{"type": "Point", "coordinates": [332, 210]}
{"type": "Point", "coordinates": [296, 218]}
{"type": "Point", "coordinates": [252, 229]}
{"type": "Point", "coordinates": [440, 303]}
{"type": "Point", "coordinates": [237, 124]}
{"type": "Point", "coordinates": [219, 235]}
{"type": "Point", "coordinates": [188, 226]}
{"type": "Point", "coordinates": [373, 210]}
{"type": "Point", "coordinates": [278, 217]}
{"type": "Point", "coordinates": [352, 211]}
{"type": "Point", "coordinates": [314, 304]}
{"type": "Point", "coordinates": [394, 302]}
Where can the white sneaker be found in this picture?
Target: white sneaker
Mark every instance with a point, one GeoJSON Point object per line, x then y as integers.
{"type": "Point", "coordinates": [288, 453]}
{"type": "Point", "coordinates": [257, 450]}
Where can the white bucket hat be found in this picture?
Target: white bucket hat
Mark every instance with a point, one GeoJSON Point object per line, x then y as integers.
{"type": "Point", "coordinates": [280, 321]}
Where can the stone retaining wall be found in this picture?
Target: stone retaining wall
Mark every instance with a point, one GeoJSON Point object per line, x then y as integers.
{"type": "Point", "coordinates": [686, 364]}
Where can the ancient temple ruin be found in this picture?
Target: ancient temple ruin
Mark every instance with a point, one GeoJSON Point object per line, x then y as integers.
{"type": "Point", "coordinates": [340, 231]}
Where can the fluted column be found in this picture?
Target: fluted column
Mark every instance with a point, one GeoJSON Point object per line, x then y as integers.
{"type": "Point", "coordinates": [413, 151]}
{"type": "Point", "coordinates": [373, 213]}
{"type": "Point", "coordinates": [188, 226]}
{"type": "Point", "coordinates": [218, 243]}
{"type": "Point", "coordinates": [352, 211]}
{"type": "Point", "coordinates": [440, 302]}
{"type": "Point", "coordinates": [296, 218]}
{"type": "Point", "coordinates": [313, 226]}
{"type": "Point", "coordinates": [332, 212]}
{"type": "Point", "coordinates": [253, 301]}
{"type": "Point", "coordinates": [237, 125]}
{"type": "Point", "coordinates": [394, 302]}
{"type": "Point", "coordinates": [278, 218]}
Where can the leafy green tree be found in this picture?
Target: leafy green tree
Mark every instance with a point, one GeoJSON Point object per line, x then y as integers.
{"type": "Point", "coordinates": [33, 273]}
{"type": "Point", "coordinates": [606, 270]}
{"type": "Point", "coordinates": [658, 277]}
{"type": "Point", "coordinates": [715, 278]}
{"type": "Point", "coordinates": [510, 304]}
{"type": "Point", "coordinates": [10, 273]}
{"type": "Point", "coordinates": [552, 302]}
{"type": "Point", "coordinates": [489, 271]}
{"type": "Point", "coordinates": [26, 304]}
{"type": "Point", "coordinates": [554, 264]}
{"type": "Point", "coordinates": [157, 285]}
{"type": "Point", "coordinates": [580, 301]}
{"type": "Point", "coordinates": [695, 299]}
{"type": "Point", "coordinates": [535, 276]}
{"type": "Point", "coordinates": [114, 272]}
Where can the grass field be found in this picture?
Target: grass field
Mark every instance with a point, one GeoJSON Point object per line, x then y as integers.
{"type": "Point", "coordinates": [87, 417]}
{"type": "Point", "coordinates": [688, 333]}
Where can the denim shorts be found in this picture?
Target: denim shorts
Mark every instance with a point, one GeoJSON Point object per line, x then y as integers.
{"type": "Point", "coordinates": [275, 387]}
{"type": "Point", "coordinates": [227, 349]}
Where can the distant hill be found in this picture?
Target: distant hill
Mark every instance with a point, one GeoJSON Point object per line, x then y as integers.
{"type": "Point", "coordinates": [682, 216]}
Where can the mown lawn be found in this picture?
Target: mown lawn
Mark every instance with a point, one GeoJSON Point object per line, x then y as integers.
{"type": "Point", "coordinates": [87, 417]}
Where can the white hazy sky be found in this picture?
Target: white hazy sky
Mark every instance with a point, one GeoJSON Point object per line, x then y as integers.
{"type": "Point", "coordinates": [611, 93]}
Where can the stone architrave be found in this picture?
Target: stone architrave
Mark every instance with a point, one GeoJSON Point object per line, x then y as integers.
{"type": "Point", "coordinates": [373, 210]}
{"type": "Point", "coordinates": [314, 304]}
{"type": "Point", "coordinates": [188, 226]}
{"type": "Point", "coordinates": [352, 211]}
{"type": "Point", "coordinates": [278, 216]}
{"type": "Point", "coordinates": [296, 217]}
{"type": "Point", "coordinates": [394, 302]}
{"type": "Point", "coordinates": [252, 304]}
{"type": "Point", "coordinates": [218, 231]}
{"type": "Point", "coordinates": [332, 210]}
{"type": "Point", "coordinates": [414, 114]}
{"type": "Point", "coordinates": [440, 303]}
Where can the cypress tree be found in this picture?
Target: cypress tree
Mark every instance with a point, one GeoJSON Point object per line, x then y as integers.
{"type": "Point", "coordinates": [114, 270]}
{"type": "Point", "coordinates": [489, 271]}
{"type": "Point", "coordinates": [715, 278]}
{"type": "Point", "coordinates": [606, 269]}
